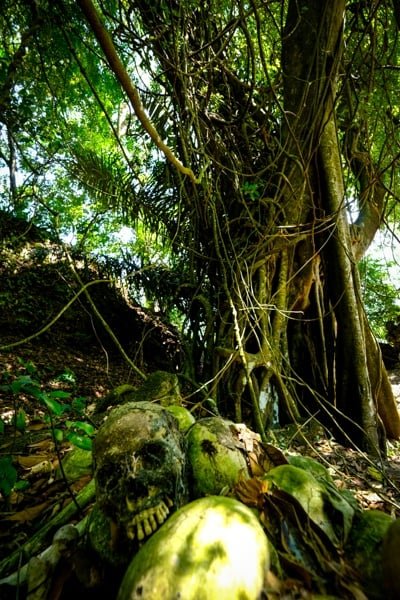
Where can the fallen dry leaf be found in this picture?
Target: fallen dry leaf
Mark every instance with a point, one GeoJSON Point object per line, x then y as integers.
{"type": "Point", "coordinates": [45, 445]}
{"type": "Point", "coordinates": [28, 514]}
{"type": "Point", "coordinates": [29, 461]}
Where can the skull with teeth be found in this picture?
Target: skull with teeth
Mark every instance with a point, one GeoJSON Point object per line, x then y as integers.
{"type": "Point", "coordinates": [139, 463]}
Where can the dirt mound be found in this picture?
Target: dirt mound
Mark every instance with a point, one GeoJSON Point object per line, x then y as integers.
{"type": "Point", "coordinates": [39, 287]}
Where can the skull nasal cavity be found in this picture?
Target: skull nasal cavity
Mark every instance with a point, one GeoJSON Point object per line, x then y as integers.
{"type": "Point", "coordinates": [136, 489]}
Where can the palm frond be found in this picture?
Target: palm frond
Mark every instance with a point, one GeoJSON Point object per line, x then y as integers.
{"type": "Point", "coordinates": [110, 183]}
{"type": "Point", "coordinates": [107, 180]}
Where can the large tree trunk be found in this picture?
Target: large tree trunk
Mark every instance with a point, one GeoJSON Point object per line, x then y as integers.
{"type": "Point", "coordinates": [338, 342]}
{"type": "Point", "coordinates": [276, 312]}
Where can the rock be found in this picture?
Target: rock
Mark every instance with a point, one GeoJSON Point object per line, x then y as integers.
{"type": "Point", "coordinates": [104, 540]}
{"type": "Point", "coordinates": [182, 415]}
{"type": "Point", "coordinates": [140, 467]}
{"type": "Point", "coordinates": [311, 466]}
{"type": "Point", "coordinates": [161, 387]}
{"type": "Point", "coordinates": [320, 499]}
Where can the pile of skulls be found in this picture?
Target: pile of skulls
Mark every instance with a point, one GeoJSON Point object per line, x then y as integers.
{"type": "Point", "coordinates": [147, 464]}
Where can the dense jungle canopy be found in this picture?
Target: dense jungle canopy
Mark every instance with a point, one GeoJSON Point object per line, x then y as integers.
{"type": "Point", "coordinates": [252, 149]}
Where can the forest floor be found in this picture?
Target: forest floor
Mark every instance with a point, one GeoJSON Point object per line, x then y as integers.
{"type": "Point", "coordinates": [60, 370]}
{"type": "Point", "coordinates": [90, 374]}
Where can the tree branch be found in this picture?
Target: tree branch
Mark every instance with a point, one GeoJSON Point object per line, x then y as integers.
{"type": "Point", "coordinates": [15, 64]}
{"type": "Point", "coordinates": [371, 197]}
{"type": "Point", "coordinates": [120, 72]}
{"type": "Point", "coordinates": [396, 11]}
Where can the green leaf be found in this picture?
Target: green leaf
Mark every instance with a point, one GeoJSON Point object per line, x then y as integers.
{"type": "Point", "coordinates": [28, 365]}
{"type": "Point", "coordinates": [8, 475]}
{"type": "Point", "coordinates": [21, 485]}
{"type": "Point", "coordinates": [54, 406]}
{"type": "Point", "coordinates": [81, 441]}
{"type": "Point", "coordinates": [67, 376]}
{"type": "Point", "coordinates": [58, 435]}
{"type": "Point", "coordinates": [78, 404]}
{"type": "Point", "coordinates": [60, 394]}
{"type": "Point", "coordinates": [20, 420]}
{"type": "Point", "coordinates": [88, 428]}
{"type": "Point", "coordinates": [2, 426]}
{"type": "Point", "coordinates": [37, 393]}
{"type": "Point", "coordinates": [24, 383]}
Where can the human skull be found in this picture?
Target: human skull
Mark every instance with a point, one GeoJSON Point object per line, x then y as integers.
{"type": "Point", "coordinates": [139, 468]}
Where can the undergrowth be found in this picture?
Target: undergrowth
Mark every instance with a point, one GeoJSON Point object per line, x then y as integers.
{"type": "Point", "coordinates": [29, 400]}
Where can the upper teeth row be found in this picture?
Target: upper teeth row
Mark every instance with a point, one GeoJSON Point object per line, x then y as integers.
{"type": "Point", "coordinates": [147, 521]}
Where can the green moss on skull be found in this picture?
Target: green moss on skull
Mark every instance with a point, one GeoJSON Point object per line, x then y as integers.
{"type": "Point", "coordinates": [214, 547]}
{"type": "Point", "coordinates": [216, 460]}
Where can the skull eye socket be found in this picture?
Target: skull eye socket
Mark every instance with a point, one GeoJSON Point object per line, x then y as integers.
{"type": "Point", "coordinates": [153, 455]}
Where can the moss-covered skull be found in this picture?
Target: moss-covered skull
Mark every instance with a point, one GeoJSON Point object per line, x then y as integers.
{"type": "Point", "coordinates": [139, 466]}
{"type": "Point", "coordinates": [213, 548]}
{"type": "Point", "coordinates": [217, 457]}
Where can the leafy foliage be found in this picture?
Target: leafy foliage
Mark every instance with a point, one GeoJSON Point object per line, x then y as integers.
{"type": "Point", "coordinates": [380, 295]}
{"type": "Point", "coordinates": [8, 475]}
{"type": "Point", "coordinates": [56, 405]}
{"type": "Point", "coordinates": [236, 91]}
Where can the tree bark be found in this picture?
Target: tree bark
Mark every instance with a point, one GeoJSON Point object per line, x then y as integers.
{"type": "Point", "coordinates": [118, 68]}
{"type": "Point", "coordinates": [311, 55]}
{"type": "Point", "coordinates": [353, 392]}
{"type": "Point", "coordinates": [278, 247]}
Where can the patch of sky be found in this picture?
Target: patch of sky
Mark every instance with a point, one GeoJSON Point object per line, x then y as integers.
{"type": "Point", "coordinates": [386, 248]}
